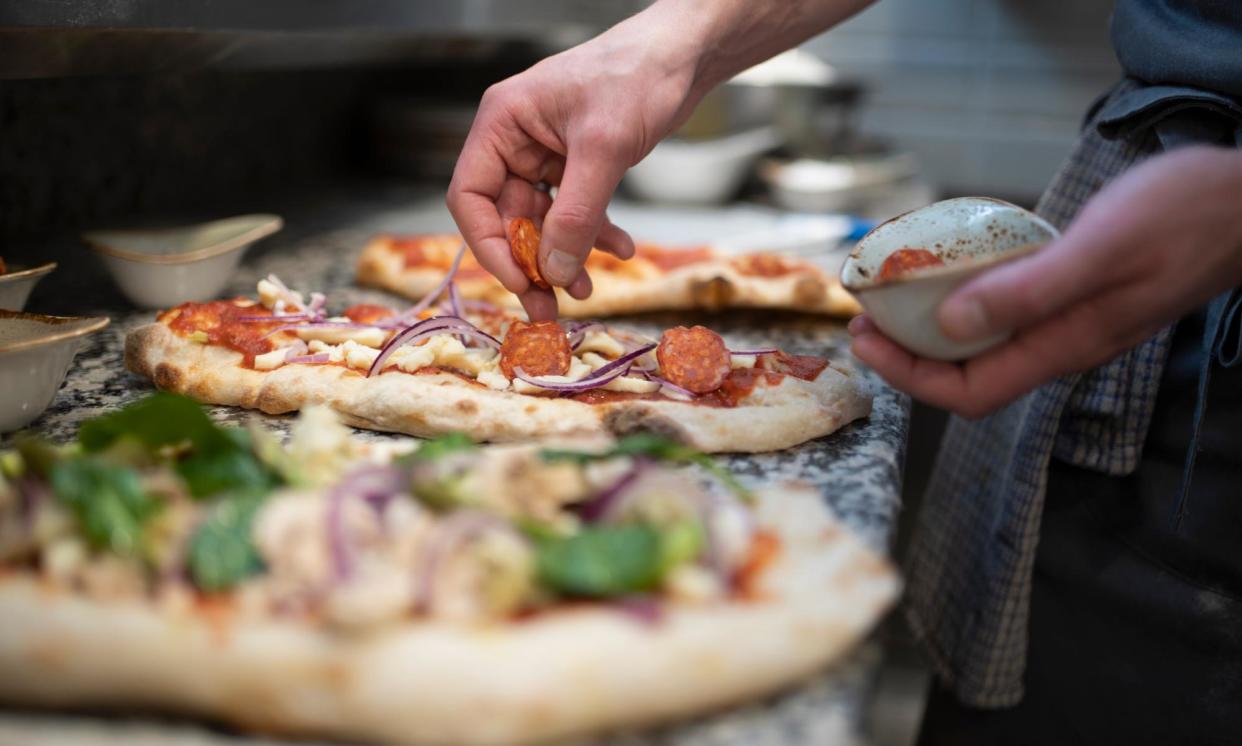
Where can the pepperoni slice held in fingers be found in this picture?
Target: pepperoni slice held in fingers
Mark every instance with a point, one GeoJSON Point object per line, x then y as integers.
{"type": "Point", "coordinates": [524, 245]}
{"type": "Point", "coordinates": [540, 349]}
{"type": "Point", "coordinates": [695, 359]}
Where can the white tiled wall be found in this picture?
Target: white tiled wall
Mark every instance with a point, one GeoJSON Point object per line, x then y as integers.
{"type": "Point", "coordinates": [988, 93]}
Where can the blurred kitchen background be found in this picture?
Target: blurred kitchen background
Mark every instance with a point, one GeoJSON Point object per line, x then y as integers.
{"type": "Point", "coordinates": [146, 111]}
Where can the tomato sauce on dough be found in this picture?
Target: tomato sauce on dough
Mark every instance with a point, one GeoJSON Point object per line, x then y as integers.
{"type": "Point", "coordinates": [221, 321]}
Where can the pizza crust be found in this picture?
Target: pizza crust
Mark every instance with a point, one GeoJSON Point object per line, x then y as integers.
{"type": "Point", "coordinates": [557, 675]}
{"type": "Point", "coordinates": [710, 285]}
{"type": "Point", "coordinates": [433, 404]}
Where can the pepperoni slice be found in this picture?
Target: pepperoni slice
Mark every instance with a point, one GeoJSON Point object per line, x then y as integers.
{"type": "Point", "coordinates": [695, 359]}
{"type": "Point", "coordinates": [540, 349]}
{"type": "Point", "coordinates": [524, 245]}
{"type": "Point", "coordinates": [806, 367]}
{"type": "Point", "coordinates": [903, 261]}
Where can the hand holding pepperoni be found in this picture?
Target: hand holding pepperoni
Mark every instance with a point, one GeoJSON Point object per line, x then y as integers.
{"type": "Point", "coordinates": [1159, 241]}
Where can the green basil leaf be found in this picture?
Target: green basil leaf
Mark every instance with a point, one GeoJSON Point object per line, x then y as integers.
{"type": "Point", "coordinates": [109, 502]}
{"type": "Point", "coordinates": [658, 448]}
{"type": "Point", "coordinates": [602, 561]}
{"type": "Point", "coordinates": [436, 448]}
{"type": "Point", "coordinates": [222, 552]}
{"type": "Point", "coordinates": [213, 472]}
{"type": "Point", "coordinates": [158, 421]}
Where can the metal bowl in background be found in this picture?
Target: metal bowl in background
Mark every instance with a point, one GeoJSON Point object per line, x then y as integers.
{"type": "Point", "coordinates": [812, 106]}
{"type": "Point", "coordinates": [842, 184]}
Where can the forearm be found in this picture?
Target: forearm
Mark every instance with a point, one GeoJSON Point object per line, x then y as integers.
{"type": "Point", "coordinates": [706, 42]}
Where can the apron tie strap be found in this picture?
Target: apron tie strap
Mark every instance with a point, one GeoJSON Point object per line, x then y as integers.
{"type": "Point", "coordinates": [1222, 344]}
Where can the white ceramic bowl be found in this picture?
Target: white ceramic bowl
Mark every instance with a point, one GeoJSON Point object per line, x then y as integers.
{"type": "Point", "coordinates": [160, 268]}
{"type": "Point", "coordinates": [16, 284]}
{"type": "Point", "coordinates": [971, 234]}
{"type": "Point", "coordinates": [699, 172]}
{"type": "Point", "coordinates": [35, 353]}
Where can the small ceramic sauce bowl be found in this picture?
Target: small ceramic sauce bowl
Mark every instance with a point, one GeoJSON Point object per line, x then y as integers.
{"type": "Point", "coordinates": [970, 234]}
{"type": "Point", "coordinates": [160, 268]}
{"type": "Point", "coordinates": [35, 353]}
{"type": "Point", "coordinates": [16, 284]}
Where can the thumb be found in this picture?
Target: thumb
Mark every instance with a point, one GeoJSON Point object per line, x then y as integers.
{"type": "Point", "coordinates": [577, 213]}
{"type": "Point", "coordinates": [1022, 292]}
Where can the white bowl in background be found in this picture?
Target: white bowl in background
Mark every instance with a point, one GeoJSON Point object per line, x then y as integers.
{"type": "Point", "coordinates": [162, 267]}
{"type": "Point", "coordinates": [971, 234]}
{"type": "Point", "coordinates": [699, 172]}
{"type": "Point", "coordinates": [835, 185]}
{"type": "Point", "coordinates": [16, 284]}
{"type": "Point", "coordinates": [35, 353]}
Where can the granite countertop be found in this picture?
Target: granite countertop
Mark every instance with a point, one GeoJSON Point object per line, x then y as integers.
{"type": "Point", "coordinates": [858, 469]}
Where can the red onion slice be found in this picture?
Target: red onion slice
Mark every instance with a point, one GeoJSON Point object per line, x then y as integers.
{"type": "Point", "coordinates": [601, 377]}
{"type": "Point", "coordinates": [645, 609]}
{"type": "Point", "coordinates": [297, 349]}
{"type": "Point", "coordinates": [413, 311]}
{"type": "Point", "coordinates": [761, 351]}
{"type": "Point", "coordinates": [285, 293]}
{"type": "Point", "coordinates": [578, 332]}
{"type": "Point", "coordinates": [671, 387]}
{"type": "Point", "coordinates": [605, 502]}
{"type": "Point", "coordinates": [428, 328]}
{"type": "Point", "coordinates": [374, 484]}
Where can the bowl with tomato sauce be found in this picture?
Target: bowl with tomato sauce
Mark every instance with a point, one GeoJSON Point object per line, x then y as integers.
{"type": "Point", "coordinates": [904, 268]}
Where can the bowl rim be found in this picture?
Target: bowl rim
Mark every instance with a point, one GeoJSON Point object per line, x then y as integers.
{"type": "Point", "coordinates": [948, 270]}
{"type": "Point", "coordinates": [96, 323]}
{"type": "Point", "coordinates": [22, 274]}
{"type": "Point", "coordinates": [271, 224]}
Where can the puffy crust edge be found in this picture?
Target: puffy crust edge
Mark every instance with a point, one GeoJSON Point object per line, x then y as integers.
{"type": "Point", "coordinates": [429, 405]}
{"type": "Point", "coordinates": [559, 675]}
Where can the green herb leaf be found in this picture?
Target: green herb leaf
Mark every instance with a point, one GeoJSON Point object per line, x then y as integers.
{"type": "Point", "coordinates": [217, 459]}
{"type": "Point", "coordinates": [655, 447]}
{"type": "Point", "coordinates": [222, 553]}
{"type": "Point", "coordinates": [602, 561]}
{"type": "Point", "coordinates": [436, 448]}
{"type": "Point", "coordinates": [679, 544]}
{"type": "Point", "coordinates": [109, 502]}
{"type": "Point", "coordinates": [158, 421]}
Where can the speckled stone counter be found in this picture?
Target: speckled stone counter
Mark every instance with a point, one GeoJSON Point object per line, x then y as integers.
{"type": "Point", "coordinates": [857, 469]}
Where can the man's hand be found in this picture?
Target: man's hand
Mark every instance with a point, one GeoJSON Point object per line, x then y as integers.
{"type": "Point", "coordinates": [580, 119]}
{"type": "Point", "coordinates": [1158, 242]}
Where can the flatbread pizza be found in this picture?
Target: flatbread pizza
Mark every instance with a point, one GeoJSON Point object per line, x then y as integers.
{"type": "Point", "coordinates": [658, 278]}
{"type": "Point", "coordinates": [477, 369]}
{"type": "Point", "coordinates": [445, 595]}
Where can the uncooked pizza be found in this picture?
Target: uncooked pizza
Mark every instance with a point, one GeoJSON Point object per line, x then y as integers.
{"type": "Point", "coordinates": [447, 594]}
{"type": "Point", "coordinates": [451, 365]}
{"type": "Point", "coordinates": [658, 277]}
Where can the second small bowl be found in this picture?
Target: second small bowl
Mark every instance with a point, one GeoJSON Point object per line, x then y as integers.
{"type": "Point", "coordinates": [35, 353]}
{"type": "Point", "coordinates": [16, 284]}
{"type": "Point", "coordinates": [970, 234]}
{"type": "Point", "coordinates": [162, 267]}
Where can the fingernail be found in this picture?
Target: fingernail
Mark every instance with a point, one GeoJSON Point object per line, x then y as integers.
{"type": "Point", "coordinates": [964, 320]}
{"type": "Point", "coordinates": [855, 326]}
{"type": "Point", "coordinates": [561, 267]}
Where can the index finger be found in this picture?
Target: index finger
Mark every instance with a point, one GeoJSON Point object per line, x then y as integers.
{"type": "Point", "coordinates": [477, 183]}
